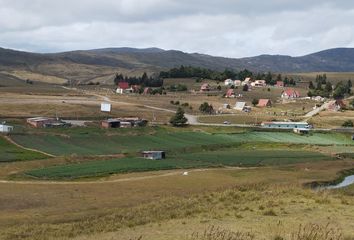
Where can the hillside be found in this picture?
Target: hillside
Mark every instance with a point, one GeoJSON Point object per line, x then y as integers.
{"type": "Point", "coordinates": [101, 64]}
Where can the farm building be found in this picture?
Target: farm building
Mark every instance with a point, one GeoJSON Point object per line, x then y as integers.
{"type": "Point", "coordinates": [6, 128]}
{"type": "Point", "coordinates": [237, 83]}
{"type": "Point", "coordinates": [205, 87]}
{"type": "Point", "coordinates": [286, 125]}
{"type": "Point", "coordinates": [230, 93]}
{"type": "Point", "coordinates": [123, 122]}
{"type": "Point", "coordinates": [229, 82]}
{"type": "Point", "coordinates": [111, 123]}
{"type": "Point", "coordinates": [290, 94]}
{"type": "Point", "coordinates": [301, 130]}
{"type": "Point", "coordinates": [155, 155]}
{"type": "Point", "coordinates": [123, 87]}
{"type": "Point", "coordinates": [336, 105]}
{"type": "Point", "coordinates": [39, 122]}
{"type": "Point", "coordinates": [259, 83]}
{"type": "Point", "coordinates": [279, 84]}
{"type": "Point", "coordinates": [264, 103]}
{"type": "Point", "coordinates": [241, 106]}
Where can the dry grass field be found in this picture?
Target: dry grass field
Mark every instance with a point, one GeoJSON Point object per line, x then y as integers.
{"type": "Point", "coordinates": [333, 77]}
{"type": "Point", "coordinates": [172, 206]}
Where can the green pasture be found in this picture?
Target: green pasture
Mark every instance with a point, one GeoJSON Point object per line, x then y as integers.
{"type": "Point", "coordinates": [10, 153]}
{"type": "Point", "coordinates": [102, 142]}
{"type": "Point", "coordinates": [231, 157]}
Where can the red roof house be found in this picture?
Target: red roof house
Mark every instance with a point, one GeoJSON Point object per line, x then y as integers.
{"type": "Point", "coordinates": [230, 93]}
{"type": "Point", "coordinates": [205, 87]}
{"type": "Point", "coordinates": [123, 85]}
{"type": "Point", "coordinates": [336, 105]}
{"type": "Point", "coordinates": [264, 103]}
{"type": "Point", "coordinates": [279, 84]}
{"type": "Point", "coordinates": [290, 94]}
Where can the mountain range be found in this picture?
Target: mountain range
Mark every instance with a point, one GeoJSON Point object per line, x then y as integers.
{"type": "Point", "coordinates": [100, 65]}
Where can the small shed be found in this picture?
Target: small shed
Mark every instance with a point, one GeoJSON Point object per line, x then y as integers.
{"type": "Point", "coordinates": [205, 87]}
{"type": "Point", "coordinates": [240, 106]}
{"type": "Point", "coordinates": [6, 128]}
{"type": "Point", "coordinates": [237, 83]}
{"type": "Point", "coordinates": [279, 84]}
{"type": "Point", "coordinates": [154, 155]}
{"type": "Point", "coordinates": [111, 123]}
{"type": "Point", "coordinates": [230, 93]}
{"type": "Point", "coordinates": [301, 130]}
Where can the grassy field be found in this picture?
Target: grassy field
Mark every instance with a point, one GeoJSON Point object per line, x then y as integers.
{"type": "Point", "coordinates": [10, 153]}
{"type": "Point", "coordinates": [230, 157]}
{"type": "Point", "coordinates": [80, 141]}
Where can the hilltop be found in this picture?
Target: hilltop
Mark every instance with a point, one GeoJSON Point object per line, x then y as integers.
{"type": "Point", "coordinates": [101, 64]}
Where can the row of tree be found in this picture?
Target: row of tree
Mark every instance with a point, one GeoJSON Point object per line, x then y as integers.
{"type": "Point", "coordinates": [144, 80]}
{"type": "Point", "coordinates": [324, 88]}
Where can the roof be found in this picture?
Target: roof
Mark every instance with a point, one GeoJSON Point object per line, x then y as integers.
{"type": "Point", "coordinates": [285, 123]}
{"type": "Point", "coordinates": [230, 92]}
{"type": "Point", "coordinates": [39, 119]}
{"type": "Point", "coordinates": [240, 105]}
{"type": "Point", "coordinates": [123, 85]}
{"type": "Point", "coordinates": [291, 92]}
{"type": "Point", "coordinates": [263, 102]}
{"type": "Point", "coordinates": [147, 152]}
{"type": "Point", "coordinates": [247, 79]}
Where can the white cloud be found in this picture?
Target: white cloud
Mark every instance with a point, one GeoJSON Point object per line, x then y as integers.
{"type": "Point", "coordinates": [231, 28]}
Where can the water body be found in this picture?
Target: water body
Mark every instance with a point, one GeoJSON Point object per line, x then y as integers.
{"type": "Point", "coordinates": [346, 182]}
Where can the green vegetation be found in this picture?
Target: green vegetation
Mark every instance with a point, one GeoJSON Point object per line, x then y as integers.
{"type": "Point", "coordinates": [227, 157]}
{"type": "Point", "coordinates": [179, 120]}
{"type": "Point", "coordinates": [93, 141]}
{"type": "Point", "coordinates": [348, 123]}
{"type": "Point", "coordinates": [10, 153]}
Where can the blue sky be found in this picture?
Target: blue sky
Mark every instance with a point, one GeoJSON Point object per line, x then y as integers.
{"type": "Point", "coordinates": [230, 28]}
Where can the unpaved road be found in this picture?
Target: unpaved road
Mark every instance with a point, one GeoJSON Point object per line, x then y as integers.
{"type": "Point", "coordinates": [174, 173]}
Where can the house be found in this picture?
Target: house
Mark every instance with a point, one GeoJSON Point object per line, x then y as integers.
{"type": "Point", "coordinates": [205, 87]}
{"type": "Point", "coordinates": [38, 122]}
{"type": "Point", "coordinates": [147, 90]}
{"type": "Point", "coordinates": [290, 94]}
{"type": "Point", "coordinates": [229, 82]}
{"type": "Point", "coordinates": [336, 105]}
{"type": "Point", "coordinates": [279, 84]}
{"type": "Point", "coordinates": [240, 106]}
{"type": "Point", "coordinates": [237, 83]}
{"type": "Point", "coordinates": [285, 125]}
{"type": "Point", "coordinates": [123, 87]}
{"type": "Point", "coordinates": [230, 93]}
{"type": "Point", "coordinates": [264, 103]}
{"type": "Point", "coordinates": [259, 83]}
{"type": "Point", "coordinates": [246, 82]}
{"type": "Point", "coordinates": [154, 155]}
{"type": "Point", "coordinates": [6, 128]}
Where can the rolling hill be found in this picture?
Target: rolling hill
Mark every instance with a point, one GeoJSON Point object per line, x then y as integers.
{"type": "Point", "coordinates": [102, 64]}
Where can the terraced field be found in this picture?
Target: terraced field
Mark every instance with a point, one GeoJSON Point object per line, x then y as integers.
{"type": "Point", "coordinates": [99, 142]}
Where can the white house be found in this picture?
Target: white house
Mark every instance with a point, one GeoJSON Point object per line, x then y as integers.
{"type": "Point", "coordinates": [237, 83]}
{"type": "Point", "coordinates": [229, 82]}
{"type": "Point", "coordinates": [6, 128]}
{"type": "Point", "coordinates": [259, 83]}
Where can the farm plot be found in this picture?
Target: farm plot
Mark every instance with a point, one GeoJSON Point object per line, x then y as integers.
{"type": "Point", "coordinates": [233, 157]}
{"type": "Point", "coordinates": [97, 142]}
{"type": "Point", "coordinates": [10, 153]}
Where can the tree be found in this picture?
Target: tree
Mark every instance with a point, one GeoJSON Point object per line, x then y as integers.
{"type": "Point", "coordinates": [179, 120]}
{"type": "Point", "coordinates": [311, 86]}
{"type": "Point", "coordinates": [245, 88]}
{"type": "Point", "coordinates": [206, 108]}
{"type": "Point", "coordinates": [328, 87]}
{"type": "Point", "coordinates": [219, 88]}
{"type": "Point", "coordinates": [348, 123]}
{"type": "Point", "coordinates": [255, 102]}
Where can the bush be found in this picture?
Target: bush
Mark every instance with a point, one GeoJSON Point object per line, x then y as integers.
{"type": "Point", "coordinates": [348, 123]}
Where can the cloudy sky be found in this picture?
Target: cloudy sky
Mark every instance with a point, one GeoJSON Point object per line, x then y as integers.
{"type": "Point", "coordinates": [232, 28]}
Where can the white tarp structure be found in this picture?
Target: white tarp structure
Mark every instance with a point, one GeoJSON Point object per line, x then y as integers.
{"type": "Point", "coordinates": [240, 106]}
{"type": "Point", "coordinates": [5, 128]}
{"type": "Point", "coordinates": [106, 107]}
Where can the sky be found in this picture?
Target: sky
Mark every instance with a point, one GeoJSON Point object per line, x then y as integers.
{"type": "Point", "coordinates": [229, 28]}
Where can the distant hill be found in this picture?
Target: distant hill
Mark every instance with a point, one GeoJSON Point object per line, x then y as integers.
{"type": "Point", "coordinates": [101, 64]}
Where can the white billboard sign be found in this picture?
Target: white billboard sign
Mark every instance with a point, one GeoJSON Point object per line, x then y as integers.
{"type": "Point", "coordinates": [106, 107]}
